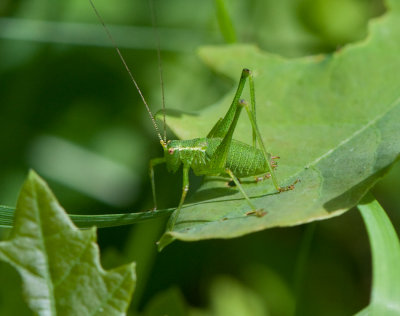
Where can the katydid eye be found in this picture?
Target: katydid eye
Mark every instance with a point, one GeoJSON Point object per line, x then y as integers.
{"type": "Point", "coordinates": [171, 151]}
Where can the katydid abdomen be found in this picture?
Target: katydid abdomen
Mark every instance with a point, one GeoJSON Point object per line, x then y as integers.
{"type": "Point", "coordinates": [242, 159]}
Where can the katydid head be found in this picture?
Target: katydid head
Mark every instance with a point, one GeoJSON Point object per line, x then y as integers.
{"type": "Point", "coordinates": [171, 155]}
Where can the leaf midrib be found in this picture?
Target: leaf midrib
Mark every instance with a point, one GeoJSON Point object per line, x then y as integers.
{"type": "Point", "coordinates": [356, 133]}
{"type": "Point", "coordinates": [45, 255]}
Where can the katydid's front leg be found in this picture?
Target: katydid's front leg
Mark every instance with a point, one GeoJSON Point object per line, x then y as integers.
{"type": "Point", "coordinates": [154, 162]}
{"type": "Point", "coordinates": [185, 189]}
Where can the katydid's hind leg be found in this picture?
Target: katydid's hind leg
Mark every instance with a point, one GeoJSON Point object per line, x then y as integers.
{"type": "Point", "coordinates": [256, 132]}
{"type": "Point", "coordinates": [267, 175]}
{"type": "Point", "coordinates": [223, 125]}
{"type": "Point", "coordinates": [225, 128]}
{"type": "Point", "coordinates": [185, 189]}
{"type": "Point", "coordinates": [251, 112]}
{"type": "Point", "coordinates": [271, 164]}
{"type": "Point", "coordinates": [267, 156]}
{"type": "Point", "coordinates": [154, 162]}
{"type": "Point", "coordinates": [254, 210]}
{"type": "Point", "coordinates": [253, 105]}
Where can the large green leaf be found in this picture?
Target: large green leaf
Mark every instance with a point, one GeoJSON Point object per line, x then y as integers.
{"type": "Point", "coordinates": [333, 119]}
{"type": "Point", "coordinates": [58, 263]}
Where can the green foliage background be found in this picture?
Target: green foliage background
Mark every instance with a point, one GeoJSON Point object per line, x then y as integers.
{"type": "Point", "coordinates": [68, 110]}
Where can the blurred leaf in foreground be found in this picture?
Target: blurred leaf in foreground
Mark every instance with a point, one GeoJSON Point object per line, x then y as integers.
{"type": "Point", "coordinates": [58, 263]}
{"type": "Point", "coordinates": [334, 120]}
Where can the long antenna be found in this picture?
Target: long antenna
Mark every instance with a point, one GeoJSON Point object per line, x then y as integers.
{"type": "Point", "coordinates": [160, 68]}
{"type": "Point", "coordinates": [128, 70]}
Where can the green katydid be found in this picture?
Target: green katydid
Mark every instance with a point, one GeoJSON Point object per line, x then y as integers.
{"type": "Point", "coordinates": [217, 153]}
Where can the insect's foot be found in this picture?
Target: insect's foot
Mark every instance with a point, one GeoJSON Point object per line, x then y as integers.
{"type": "Point", "coordinates": [259, 212]}
{"type": "Point", "coordinates": [263, 177]}
{"type": "Point", "coordinates": [289, 187]}
{"type": "Point", "coordinates": [274, 164]}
